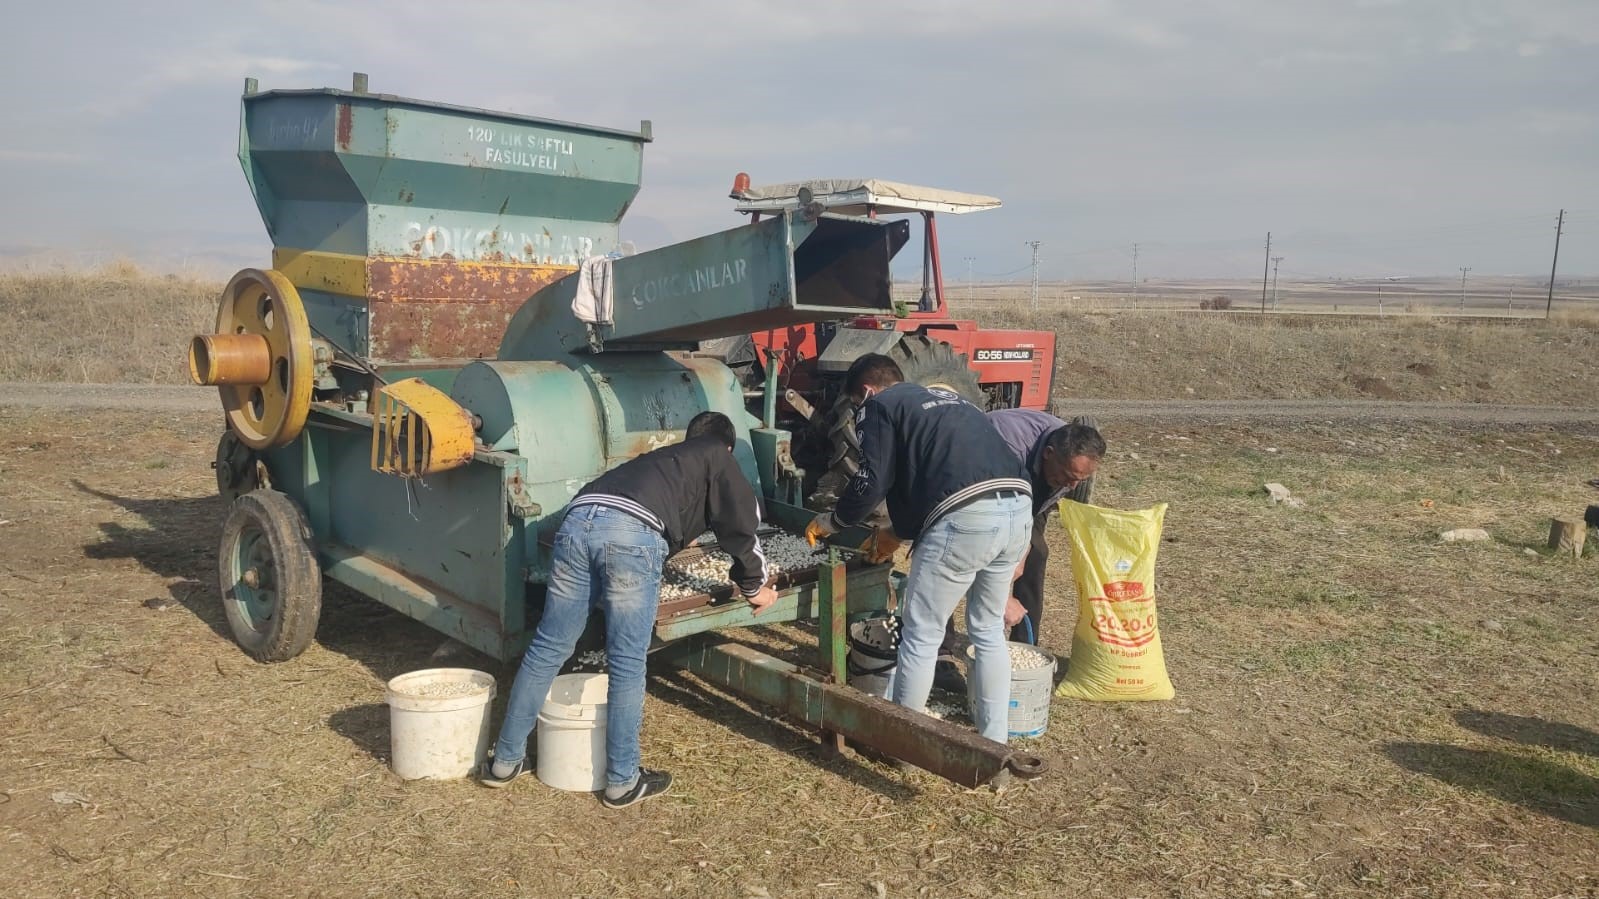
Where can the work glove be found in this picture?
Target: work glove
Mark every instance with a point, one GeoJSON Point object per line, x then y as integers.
{"type": "Point", "coordinates": [820, 528]}
{"type": "Point", "coordinates": [880, 546]}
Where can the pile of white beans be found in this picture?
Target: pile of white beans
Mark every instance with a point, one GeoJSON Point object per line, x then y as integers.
{"type": "Point", "coordinates": [446, 689]}
{"type": "Point", "coordinates": [1027, 659]}
{"type": "Point", "coordinates": [709, 571]}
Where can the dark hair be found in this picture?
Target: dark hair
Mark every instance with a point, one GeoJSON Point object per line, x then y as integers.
{"type": "Point", "coordinates": [712, 424]}
{"type": "Point", "coordinates": [872, 370]}
{"type": "Point", "coordinates": [1076, 440]}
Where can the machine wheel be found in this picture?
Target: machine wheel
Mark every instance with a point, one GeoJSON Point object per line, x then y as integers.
{"type": "Point", "coordinates": [271, 583]}
{"type": "Point", "coordinates": [239, 470]}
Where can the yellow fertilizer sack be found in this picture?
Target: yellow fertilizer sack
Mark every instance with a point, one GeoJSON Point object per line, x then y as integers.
{"type": "Point", "coordinates": [1116, 653]}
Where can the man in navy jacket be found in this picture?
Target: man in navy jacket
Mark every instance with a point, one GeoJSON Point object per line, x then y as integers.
{"type": "Point", "coordinates": [956, 490]}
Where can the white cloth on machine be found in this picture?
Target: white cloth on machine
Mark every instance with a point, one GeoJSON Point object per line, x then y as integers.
{"type": "Point", "coordinates": [595, 295]}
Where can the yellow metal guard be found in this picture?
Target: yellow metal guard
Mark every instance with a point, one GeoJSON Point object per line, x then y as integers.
{"type": "Point", "coordinates": [418, 430]}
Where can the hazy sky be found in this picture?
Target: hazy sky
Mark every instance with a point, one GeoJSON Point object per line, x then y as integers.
{"type": "Point", "coordinates": [1374, 138]}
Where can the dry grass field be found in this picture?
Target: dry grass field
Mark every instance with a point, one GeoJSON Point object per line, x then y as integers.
{"type": "Point", "coordinates": [120, 324]}
{"type": "Point", "coordinates": [1361, 710]}
{"type": "Point", "coordinates": [117, 324]}
{"type": "Point", "coordinates": [1209, 355]}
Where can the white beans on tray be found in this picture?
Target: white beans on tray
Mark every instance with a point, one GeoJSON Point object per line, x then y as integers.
{"type": "Point", "coordinates": [706, 572]}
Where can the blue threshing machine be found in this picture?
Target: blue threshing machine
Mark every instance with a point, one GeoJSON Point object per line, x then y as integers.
{"type": "Point", "coordinates": [411, 402]}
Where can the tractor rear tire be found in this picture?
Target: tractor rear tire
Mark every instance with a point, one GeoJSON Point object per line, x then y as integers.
{"type": "Point", "coordinates": [271, 582]}
{"type": "Point", "coordinates": [922, 360]}
{"type": "Point", "coordinates": [1083, 492]}
{"type": "Point", "coordinates": [933, 363]}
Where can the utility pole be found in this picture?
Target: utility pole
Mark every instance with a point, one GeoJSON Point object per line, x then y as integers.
{"type": "Point", "coordinates": [1463, 270]}
{"type": "Point", "coordinates": [1274, 261]}
{"type": "Point", "coordinates": [1379, 301]}
{"type": "Point", "coordinates": [969, 261]}
{"type": "Point", "coordinates": [1034, 244]}
{"type": "Point", "coordinates": [1135, 274]}
{"type": "Point", "coordinates": [1550, 304]}
{"type": "Point", "coordinates": [1265, 270]}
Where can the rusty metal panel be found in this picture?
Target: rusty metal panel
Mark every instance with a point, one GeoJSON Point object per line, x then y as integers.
{"type": "Point", "coordinates": [442, 309]}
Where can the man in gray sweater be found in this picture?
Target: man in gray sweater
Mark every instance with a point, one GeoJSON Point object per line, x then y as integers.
{"type": "Point", "coordinates": [1059, 458]}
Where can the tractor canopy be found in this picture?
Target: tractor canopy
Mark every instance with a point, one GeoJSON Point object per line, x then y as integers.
{"type": "Point", "coordinates": [858, 196]}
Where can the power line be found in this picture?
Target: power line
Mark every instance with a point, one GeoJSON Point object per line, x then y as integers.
{"type": "Point", "coordinates": [1263, 273]}
{"type": "Point", "coordinates": [1135, 273]}
{"type": "Point", "coordinates": [1549, 304]}
{"type": "Point", "coordinates": [1034, 244]}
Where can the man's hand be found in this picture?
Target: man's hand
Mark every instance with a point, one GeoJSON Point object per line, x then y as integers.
{"type": "Point", "coordinates": [820, 528]}
{"type": "Point", "coordinates": [880, 546]}
{"type": "Point", "coordinates": [1014, 612]}
{"type": "Point", "coordinates": [764, 599]}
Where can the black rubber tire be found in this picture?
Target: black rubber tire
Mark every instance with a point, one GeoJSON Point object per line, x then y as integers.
{"type": "Point", "coordinates": [924, 361]}
{"type": "Point", "coordinates": [275, 620]}
{"type": "Point", "coordinates": [933, 363]}
{"type": "Point", "coordinates": [1084, 492]}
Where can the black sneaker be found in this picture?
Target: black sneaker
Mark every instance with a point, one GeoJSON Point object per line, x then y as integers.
{"type": "Point", "coordinates": [488, 779]}
{"type": "Point", "coordinates": [947, 676]}
{"type": "Point", "coordinates": [650, 783]}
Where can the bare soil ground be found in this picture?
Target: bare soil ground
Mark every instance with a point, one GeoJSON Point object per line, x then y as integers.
{"type": "Point", "coordinates": [1361, 710]}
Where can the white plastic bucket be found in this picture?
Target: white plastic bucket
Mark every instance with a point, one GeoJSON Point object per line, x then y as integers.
{"type": "Point", "coordinates": [1030, 691]}
{"type": "Point", "coordinates": [571, 733]}
{"type": "Point", "coordinates": [873, 653]}
{"type": "Point", "coordinates": [439, 722]}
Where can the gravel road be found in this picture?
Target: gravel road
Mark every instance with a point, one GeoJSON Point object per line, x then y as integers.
{"type": "Point", "coordinates": [165, 398]}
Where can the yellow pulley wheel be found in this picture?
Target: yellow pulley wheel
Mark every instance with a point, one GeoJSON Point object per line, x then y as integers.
{"type": "Point", "coordinates": [261, 306]}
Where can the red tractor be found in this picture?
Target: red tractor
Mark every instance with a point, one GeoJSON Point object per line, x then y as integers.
{"type": "Point", "coordinates": [995, 369]}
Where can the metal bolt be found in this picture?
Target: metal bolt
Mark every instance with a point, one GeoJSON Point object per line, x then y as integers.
{"type": "Point", "coordinates": [251, 578]}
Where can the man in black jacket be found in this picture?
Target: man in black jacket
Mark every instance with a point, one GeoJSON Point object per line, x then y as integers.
{"type": "Point", "coordinates": [955, 488]}
{"type": "Point", "coordinates": [610, 552]}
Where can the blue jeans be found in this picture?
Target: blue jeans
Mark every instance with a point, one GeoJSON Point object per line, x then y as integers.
{"type": "Point", "coordinates": [605, 559]}
{"type": "Point", "coordinates": [972, 552]}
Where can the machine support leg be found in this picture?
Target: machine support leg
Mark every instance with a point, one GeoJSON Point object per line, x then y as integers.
{"type": "Point", "coordinates": [316, 489]}
{"type": "Point", "coordinates": [952, 752]}
{"type": "Point", "coordinates": [832, 629]}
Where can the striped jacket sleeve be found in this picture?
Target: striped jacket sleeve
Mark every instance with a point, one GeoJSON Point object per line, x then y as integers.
{"type": "Point", "coordinates": [734, 515]}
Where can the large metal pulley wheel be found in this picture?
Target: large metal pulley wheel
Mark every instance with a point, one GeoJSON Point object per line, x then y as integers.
{"type": "Point", "coordinates": [260, 358]}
